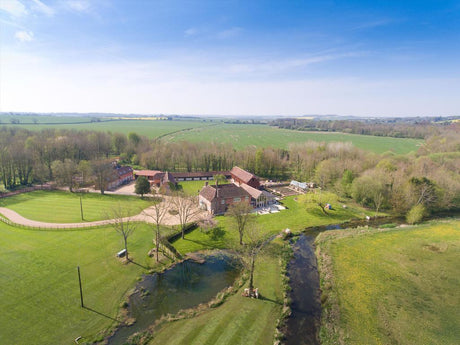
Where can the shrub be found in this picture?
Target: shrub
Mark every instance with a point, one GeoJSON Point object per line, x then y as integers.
{"type": "Point", "coordinates": [416, 214]}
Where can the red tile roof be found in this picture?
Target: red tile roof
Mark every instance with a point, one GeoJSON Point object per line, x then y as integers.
{"type": "Point", "coordinates": [225, 191]}
{"type": "Point", "coordinates": [147, 173]}
{"type": "Point", "coordinates": [243, 175]}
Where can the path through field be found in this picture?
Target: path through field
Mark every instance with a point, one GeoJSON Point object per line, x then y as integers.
{"type": "Point", "coordinates": [141, 217]}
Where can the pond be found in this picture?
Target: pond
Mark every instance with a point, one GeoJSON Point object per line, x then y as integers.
{"type": "Point", "coordinates": [184, 286]}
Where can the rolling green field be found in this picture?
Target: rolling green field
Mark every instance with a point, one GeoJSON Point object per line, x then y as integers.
{"type": "Point", "coordinates": [149, 128]}
{"type": "Point", "coordinates": [238, 135]}
{"type": "Point", "coordinates": [25, 120]}
{"type": "Point", "coordinates": [296, 217]}
{"type": "Point", "coordinates": [239, 320]}
{"type": "Point", "coordinates": [241, 136]}
{"type": "Point", "coordinates": [39, 295]}
{"type": "Point", "coordinates": [64, 207]}
{"type": "Point", "coordinates": [397, 286]}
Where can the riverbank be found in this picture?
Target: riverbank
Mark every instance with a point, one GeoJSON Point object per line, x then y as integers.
{"type": "Point", "coordinates": [239, 320]}
{"type": "Point", "coordinates": [395, 285]}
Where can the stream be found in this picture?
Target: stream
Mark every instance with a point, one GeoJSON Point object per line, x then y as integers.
{"type": "Point", "coordinates": [302, 327]}
{"type": "Point", "coordinates": [185, 285]}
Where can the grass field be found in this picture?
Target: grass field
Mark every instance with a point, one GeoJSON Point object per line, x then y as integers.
{"type": "Point", "coordinates": [25, 120]}
{"type": "Point", "coordinates": [238, 135]}
{"type": "Point", "coordinates": [241, 136]}
{"type": "Point", "coordinates": [150, 129]}
{"type": "Point", "coordinates": [239, 320]}
{"type": "Point", "coordinates": [39, 295]}
{"type": "Point", "coordinates": [296, 217]}
{"type": "Point", "coordinates": [397, 286]}
{"type": "Point", "coordinates": [193, 187]}
{"type": "Point", "coordinates": [64, 207]}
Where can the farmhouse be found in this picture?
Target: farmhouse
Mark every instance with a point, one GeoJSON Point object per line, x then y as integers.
{"type": "Point", "coordinates": [156, 177]}
{"type": "Point", "coordinates": [241, 176]}
{"type": "Point", "coordinates": [121, 175]}
{"type": "Point", "coordinates": [153, 176]}
{"type": "Point", "coordinates": [259, 198]}
{"type": "Point", "coordinates": [217, 198]}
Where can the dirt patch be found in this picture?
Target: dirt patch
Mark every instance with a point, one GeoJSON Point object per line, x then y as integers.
{"type": "Point", "coordinates": [436, 248]}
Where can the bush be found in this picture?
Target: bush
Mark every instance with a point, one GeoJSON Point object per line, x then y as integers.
{"type": "Point", "coordinates": [142, 186]}
{"type": "Point", "coordinates": [416, 214]}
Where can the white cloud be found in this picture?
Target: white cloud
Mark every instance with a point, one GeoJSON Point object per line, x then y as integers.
{"type": "Point", "coordinates": [284, 65]}
{"type": "Point", "coordinates": [229, 33]}
{"type": "Point", "coordinates": [42, 8]}
{"type": "Point", "coordinates": [79, 5]}
{"type": "Point", "coordinates": [29, 83]}
{"type": "Point", "coordinates": [190, 32]}
{"type": "Point", "coordinates": [24, 36]}
{"type": "Point", "coordinates": [13, 7]}
{"type": "Point", "coordinates": [373, 24]}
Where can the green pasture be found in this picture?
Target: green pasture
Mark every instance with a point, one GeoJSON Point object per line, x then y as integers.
{"type": "Point", "coordinates": [238, 135]}
{"type": "Point", "coordinates": [25, 120]}
{"type": "Point", "coordinates": [39, 295]}
{"type": "Point", "coordinates": [149, 128]}
{"type": "Point", "coordinates": [397, 286]}
{"type": "Point", "coordinates": [296, 217]}
{"type": "Point", "coordinates": [241, 136]}
{"type": "Point", "coordinates": [64, 207]}
{"type": "Point", "coordinates": [239, 320]}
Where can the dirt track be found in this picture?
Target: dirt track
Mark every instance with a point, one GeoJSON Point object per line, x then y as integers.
{"type": "Point", "coordinates": [141, 217]}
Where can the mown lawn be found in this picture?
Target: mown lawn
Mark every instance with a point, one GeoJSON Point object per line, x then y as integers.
{"type": "Point", "coordinates": [296, 217]}
{"type": "Point", "coordinates": [239, 320]}
{"type": "Point", "coordinates": [397, 286]}
{"type": "Point", "coordinates": [39, 295]}
{"type": "Point", "coordinates": [192, 187]}
{"type": "Point", "coordinates": [64, 207]}
{"type": "Point", "coordinates": [241, 136]}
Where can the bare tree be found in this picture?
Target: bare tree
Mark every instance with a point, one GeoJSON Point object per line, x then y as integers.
{"type": "Point", "coordinates": [103, 172]}
{"type": "Point", "coordinates": [123, 224]}
{"type": "Point", "coordinates": [157, 212]}
{"type": "Point", "coordinates": [241, 215]}
{"type": "Point", "coordinates": [316, 198]}
{"type": "Point", "coordinates": [254, 242]}
{"type": "Point", "coordinates": [187, 209]}
{"type": "Point", "coordinates": [65, 173]}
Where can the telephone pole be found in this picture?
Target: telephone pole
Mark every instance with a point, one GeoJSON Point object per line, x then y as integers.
{"type": "Point", "coordinates": [81, 291]}
{"type": "Point", "coordinates": [81, 208]}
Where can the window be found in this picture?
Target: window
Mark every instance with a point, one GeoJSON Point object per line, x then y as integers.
{"type": "Point", "coordinates": [223, 202]}
{"type": "Point", "coordinates": [236, 199]}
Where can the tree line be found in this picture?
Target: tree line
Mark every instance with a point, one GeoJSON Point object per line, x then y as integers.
{"type": "Point", "coordinates": [428, 178]}
{"type": "Point", "coordinates": [418, 128]}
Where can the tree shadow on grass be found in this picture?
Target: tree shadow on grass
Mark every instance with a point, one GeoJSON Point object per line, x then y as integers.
{"type": "Point", "coordinates": [216, 233]}
{"type": "Point", "coordinates": [138, 264]}
{"type": "Point", "coordinates": [205, 244]}
{"type": "Point", "coordinates": [101, 314]}
{"type": "Point", "coordinates": [263, 298]}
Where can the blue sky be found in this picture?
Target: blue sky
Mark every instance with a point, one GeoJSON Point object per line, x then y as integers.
{"type": "Point", "coordinates": [368, 58]}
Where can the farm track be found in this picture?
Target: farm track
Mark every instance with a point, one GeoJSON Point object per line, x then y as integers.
{"type": "Point", "coordinates": [182, 130]}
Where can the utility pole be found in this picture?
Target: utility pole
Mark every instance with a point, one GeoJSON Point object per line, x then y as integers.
{"type": "Point", "coordinates": [81, 291]}
{"type": "Point", "coordinates": [81, 208]}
